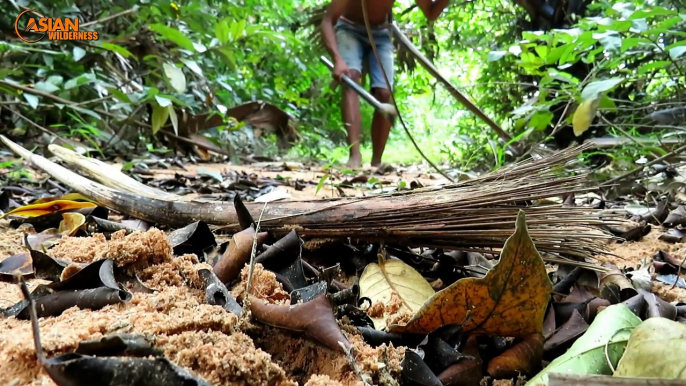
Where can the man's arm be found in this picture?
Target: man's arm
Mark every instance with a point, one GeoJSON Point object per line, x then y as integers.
{"type": "Point", "coordinates": [333, 12]}
{"type": "Point", "coordinates": [432, 8]}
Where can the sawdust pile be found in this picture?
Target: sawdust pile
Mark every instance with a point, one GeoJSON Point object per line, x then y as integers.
{"type": "Point", "coordinates": [630, 254]}
{"type": "Point", "coordinates": [204, 339]}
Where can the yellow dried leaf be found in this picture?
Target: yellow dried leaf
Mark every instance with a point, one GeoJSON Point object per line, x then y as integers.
{"type": "Point", "coordinates": [35, 210]}
{"type": "Point", "coordinates": [379, 281]}
{"type": "Point", "coordinates": [509, 301]}
{"type": "Point", "coordinates": [584, 115]}
{"type": "Point", "coordinates": [71, 222]}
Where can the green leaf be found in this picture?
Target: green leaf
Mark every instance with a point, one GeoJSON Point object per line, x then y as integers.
{"type": "Point", "coordinates": [496, 55]}
{"type": "Point", "coordinates": [174, 35]}
{"type": "Point", "coordinates": [592, 90]}
{"type": "Point", "coordinates": [228, 55]}
{"type": "Point", "coordinates": [32, 99]}
{"type": "Point", "coordinates": [657, 11]}
{"type": "Point", "coordinates": [85, 111]}
{"type": "Point", "coordinates": [541, 119]}
{"type": "Point", "coordinates": [159, 117]}
{"type": "Point", "coordinates": [119, 95]}
{"type": "Point", "coordinates": [671, 22]}
{"type": "Point", "coordinates": [629, 43]}
{"type": "Point", "coordinates": [176, 77]}
{"type": "Point", "coordinates": [46, 87]}
{"type": "Point", "coordinates": [79, 80]}
{"type": "Point", "coordinates": [654, 338]}
{"type": "Point", "coordinates": [648, 67]}
{"type": "Point", "coordinates": [237, 29]}
{"type": "Point", "coordinates": [56, 80]}
{"type": "Point", "coordinates": [174, 120]}
{"type": "Point", "coordinates": [321, 182]}
{"type": "Point", "coordinates": [221, 31]}
{"type": "Point", "coordinates": [676, 52]}
{"type": "Point", "coordinates": [607, 104]}
{"type": "Point", "coordinates": [542, 51]}
{"type": "Point", "coordinates": [117, 48]}
{"type": "Point", "coordinates": [78, 53]}
{"type": "Point", "coordinates": [162, 101]}
{"type": "Point", "coordinates": [612, 328]}
{"type": "Point", "coordinates": [192, 65]}
{"type": "Point", "coordinates": [610, 40]}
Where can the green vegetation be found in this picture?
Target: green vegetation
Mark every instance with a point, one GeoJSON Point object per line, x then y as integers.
{"type": "Point", "coordinates": [155, 59]}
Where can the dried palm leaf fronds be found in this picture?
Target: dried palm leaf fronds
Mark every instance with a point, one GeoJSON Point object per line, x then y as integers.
{"type": "Point", "coordinates": [478, 214]}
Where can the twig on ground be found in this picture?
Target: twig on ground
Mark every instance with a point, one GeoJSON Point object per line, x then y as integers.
{"type": "Point", "coordinates": [352, 363]}
{"type": "Point", "coordinates": [246, 301]}
{"type": "Point", "coordinates": [678, 273]}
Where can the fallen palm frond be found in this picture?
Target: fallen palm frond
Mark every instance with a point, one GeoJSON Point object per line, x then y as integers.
{"type": "Point", "coordinates": [476, 214]}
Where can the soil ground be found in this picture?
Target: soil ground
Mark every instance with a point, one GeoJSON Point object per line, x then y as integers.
{"type": "Point", "coordinates": [211, 344]}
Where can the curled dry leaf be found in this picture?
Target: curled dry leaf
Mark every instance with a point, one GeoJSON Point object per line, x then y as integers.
{"type": "Point", "coordinates": [107, 227]}
{"type": "Point", "coordinates": [375, 337]}
{"type": "Point", "coordinates": [71, 223]}
{"type": "Point", "coordinates": [284, 259]}
{"type": "Point", "coordinates": [572, 329]}
{"type": "Point", "coordinates": [94, 299]}
{"type": "Point", "coordinates": [658, 307]}
{"type": "Point", "coordinates": [676, 217]}
{"type": "Point", "coordinates": [415, 371]}
{"type": "Point", "coordinates": [655, 350]}
{"type": "Point", "coordinates": [315, 319]}
{"type": "Point", "coordinates": [510, 301]}
{"type": "Point", "coordinates": [49, 268]}
{"type": "Point", "coordinates": [196, 238]}
{"type": "Point", "coordinates": [244, 217]}
{"type": "Point", "coordinates": [378, 281]}
{"type": "Point", "coordinates": [467, 372]}
{"type": "Point", "coordinates": [237, 254]}
{"type": "Point", "coordinates": [217, 294]}
{"type": "Point", "coordinates": [118, 345]}
{"type": "Point", "coordinates": [614, 286]}
{"type": "Point", "coordinates": [438, 354]}
{"type": "Point", "coordinates": [18, 263]}
{"type": "Point", "coordinates": [524, 357]}
{"type": "Point", "coordinates": [74, 369]}
{"type": "Point", "coordinates": [673, 236]}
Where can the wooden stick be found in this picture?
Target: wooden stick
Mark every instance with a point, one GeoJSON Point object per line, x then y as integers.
{"type": "Point", "coordinates": [561, 379]}
{"type": "Point", "coordinates": [451, 88]}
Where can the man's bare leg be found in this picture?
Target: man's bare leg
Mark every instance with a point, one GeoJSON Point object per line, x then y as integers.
{"type": "Point", "coordinates": [381, 127]}
{"type": "Point", "coordinates": [350, 109]}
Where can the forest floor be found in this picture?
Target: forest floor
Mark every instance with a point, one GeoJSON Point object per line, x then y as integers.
{"type": "Point", "coordinates": [211, 344]}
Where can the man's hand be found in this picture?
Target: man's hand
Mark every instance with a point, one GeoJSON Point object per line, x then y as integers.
{"type": "Point", "coordinates": [340, 69]}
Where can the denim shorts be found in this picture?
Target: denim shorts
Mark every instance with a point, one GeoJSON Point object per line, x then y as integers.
{"type": "Point", "coordinates": [354, 47]}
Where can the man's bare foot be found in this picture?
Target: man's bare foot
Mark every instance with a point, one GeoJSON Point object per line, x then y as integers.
{"type": "Point", "coordinates": [355, 161]}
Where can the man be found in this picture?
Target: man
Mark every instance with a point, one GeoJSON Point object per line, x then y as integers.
{"type": "Point", "coordinates": [346, 39]}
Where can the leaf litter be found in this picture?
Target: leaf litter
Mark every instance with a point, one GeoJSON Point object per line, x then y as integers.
{"type": "Point", "coordinates": [181, 310]}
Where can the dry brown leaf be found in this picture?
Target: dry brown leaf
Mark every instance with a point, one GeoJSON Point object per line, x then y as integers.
{"type": "Point", "coordinates": [524, 357]}
{"type": "Point", "coordinates": [466, 372]}
{"type": "Point", "coordinates": [509, 301]}
{"type": "Point", "coordinates": [237, 254]}
{"type": "Point", "coordinates": [314, 318]}
{"type": "Point", "coordinates": [379, 281]}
